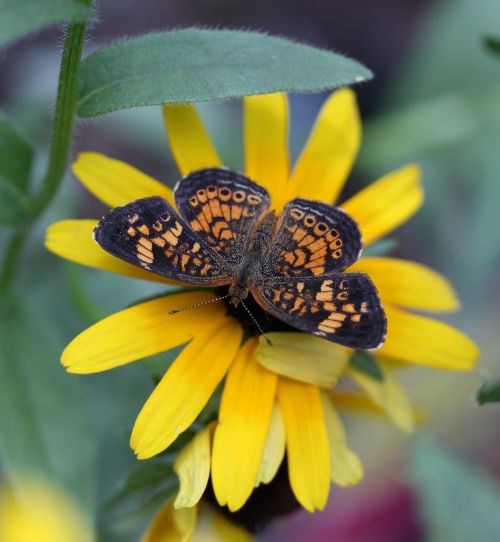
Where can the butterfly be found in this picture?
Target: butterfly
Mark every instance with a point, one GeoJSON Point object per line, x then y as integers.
{"type": "Point", "coordinates": [224, 233]}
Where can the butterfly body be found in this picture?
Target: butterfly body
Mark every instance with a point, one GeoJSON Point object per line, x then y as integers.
{"type": "Point", "coordinates": [248, 271]}
{"type": "Point", "coordinates": [225, 234]}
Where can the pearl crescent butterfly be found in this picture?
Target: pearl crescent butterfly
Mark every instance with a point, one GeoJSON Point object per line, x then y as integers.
{"type": "Point", "coordinates": [224, 233]}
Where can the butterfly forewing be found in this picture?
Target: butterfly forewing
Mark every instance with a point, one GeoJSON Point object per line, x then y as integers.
{"type": "Point", "coordinates": [312, 239]}
{"type": "Point", "coordinates": [343, 307]}
{"type": "Point", "coordinates": [150, 234]}
{"type": "Point", "coordinates": [221, 207]}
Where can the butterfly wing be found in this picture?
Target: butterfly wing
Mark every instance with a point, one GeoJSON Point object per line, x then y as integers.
{"type": "Point", "coordinates": [149, 233]}
{"type": "Point", "coordinates": [312, 239]}
{"type": "Point", "coordinates": [343, 307]}
{"type": "Point", "coordinates": [221, 207]}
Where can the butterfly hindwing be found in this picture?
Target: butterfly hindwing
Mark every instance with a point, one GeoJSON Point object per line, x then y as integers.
{"type": "Point", "coordinates": [343, 307]}
{"type": "Point", "coordinates": [312, 239]}
{"type": "Point", "coordinates": [221, 207]}
{"type": "Point", "coordinates": [149, 233]}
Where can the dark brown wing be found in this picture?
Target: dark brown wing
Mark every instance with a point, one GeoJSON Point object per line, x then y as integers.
{"type": "Point", "coordinates": [312, 239]}
{"type": "Point", "coordinates": [343, 307]}
{"type": "Point", "coordinates": [221, 207]}
{"type": "Point", "coordinates": [150, 234]}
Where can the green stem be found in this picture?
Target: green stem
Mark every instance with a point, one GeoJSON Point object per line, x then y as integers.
{"type": "Point", "coordinates": [60, 143]}
{"type": "Point", "coordinates": [14, 245]}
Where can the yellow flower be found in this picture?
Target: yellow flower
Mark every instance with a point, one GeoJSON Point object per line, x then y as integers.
{"type": "Point", "coordinates": [37, 511]}
{"type": "Point", "coordinates": [196, 524]}
{"type": "Point", "coordinates": [273, 397]}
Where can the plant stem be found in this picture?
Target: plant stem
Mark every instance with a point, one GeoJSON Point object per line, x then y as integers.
{"type": "Point", "coordinates": [11, 255]}
{"type": "Point", "coordinates": [59, 146]}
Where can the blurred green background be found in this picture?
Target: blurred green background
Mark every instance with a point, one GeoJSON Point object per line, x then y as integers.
{"type": "Point", "coordinates": [435, 100]}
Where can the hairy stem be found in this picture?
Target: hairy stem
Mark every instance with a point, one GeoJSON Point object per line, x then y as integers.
{"type": "Point", "coordinates": [60, 143]}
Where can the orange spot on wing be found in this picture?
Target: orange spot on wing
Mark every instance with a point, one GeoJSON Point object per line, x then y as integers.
{"type": "Point", "coordinates": [203, 221]}
{"type": "Point", "coordinates": [307, 240]}
{"type": "Point", "coordinates": [184, 260]}
{"type": "Point", "coordinates": [144, 251]}
{"type": "Point", "coordinates": [218, 227]}
{"type": "Point", "coordinates": [236, 212]}
{"type": "Point", "coordinates": [324, 296]}
{"type": "Point", "coordinates": [146, 243]}
{"type": "Point", "coordinates": [215, 207]}
{"type": "Point", "coordinates": [207, 212]}
{"type": "Point", "coordinates": [226, 211]}
{"type": "Point", "coordinates": [301, 258]}
{"type": "Point", "coordinates": [158, 241]}
{"type": "Point", "coordinates": [299, 234]}
{"type": "Point", "coordinates": [170, 238]}
{"type": "Point", "coordinates": [317, 245]}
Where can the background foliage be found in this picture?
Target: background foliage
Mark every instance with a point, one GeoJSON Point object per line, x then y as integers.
{"type": "Point", "coordinates": [435, 100]}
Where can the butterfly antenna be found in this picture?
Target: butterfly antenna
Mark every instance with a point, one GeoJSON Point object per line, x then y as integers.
{"type": "Point", "coordinates": [256, 324]}
{"type": "Point", "coordinates": [196, 305]}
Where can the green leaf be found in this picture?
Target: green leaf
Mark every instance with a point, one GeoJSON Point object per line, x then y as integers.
{"type": "Point", "coordinates": [145, 480]}
{"type": "Point", "coordinates": [492, 43]}
{"type": "Point", "coordinates": [457, 500]}
{"type": "Point", "coordinates": [489, 392]}
{"type": "Point", "coordinates": [366, 363]}
{"type": "Point", "coordinates": [16, 157]}
{"type": "Point", "coordinates": [44, 426]}
{"type": "Point", "coordinates": [194, 65]}
{"type": "Point", "coordinates": [19, 17]}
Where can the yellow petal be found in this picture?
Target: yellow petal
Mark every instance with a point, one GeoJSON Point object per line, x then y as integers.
{"type": "Point", "coordinates": [140, 331]}
{"type": "Point", "coordinates": [409, 284]}
{"type": "Point", "coordinates": [346, 467]}
{"type": "Point", "coordinates": [37, 511]}
{"type": "Point", "coordinates": [72, 240]}
{"type": "Point", "coordinates": [308, 450]}
{"type": "Point", "coordinates": [356, 402]}
{"type": "Point", "coordinates": [192, 466]}
{"type": "Point", "coordinates": [170, 525]}
{"type": "Point", "coordinates": [240, 436]}
{"type": "Point", "coordinates": [227, 531]}
{"type": "Point", "coordinates": [265, 122]}
{"type": "Point", "coordinates": [388, 394]}
{"type": "Point", "coordinates": [186, 387]}
{"type": "Point", "coordinates": [274, 449]}
{"type": "Point", "coordinates": [329, 154]}
{"type": "Point", "coordinates": [191, 145]}
{"type": "Point", "coordinates": [386, 203]}
{"type": "Point", "coordinates": [115, 182]}
{"type": "Point", "coordinates": [424, 341]}
{"type": "Point", "coordinates": [302, 357]}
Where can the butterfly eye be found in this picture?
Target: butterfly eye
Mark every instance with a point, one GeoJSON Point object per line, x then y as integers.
{"type": "Point", "coordinates": [211, 191]}
{"type": "Point", "coordinates": [238, 196]}
{"type": "Point", "coordinates": [254, 200]}
{"type": "Point", "coordinates": [332, 235]}
{"type": "Point", "coordinates": [309, 220]}
{"type": "Point", "coordinates": [225, 194]}
{"type": "Point", "coordinates": [320, 228]}
{"type": "Point", "coordinates": [297, 214]}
